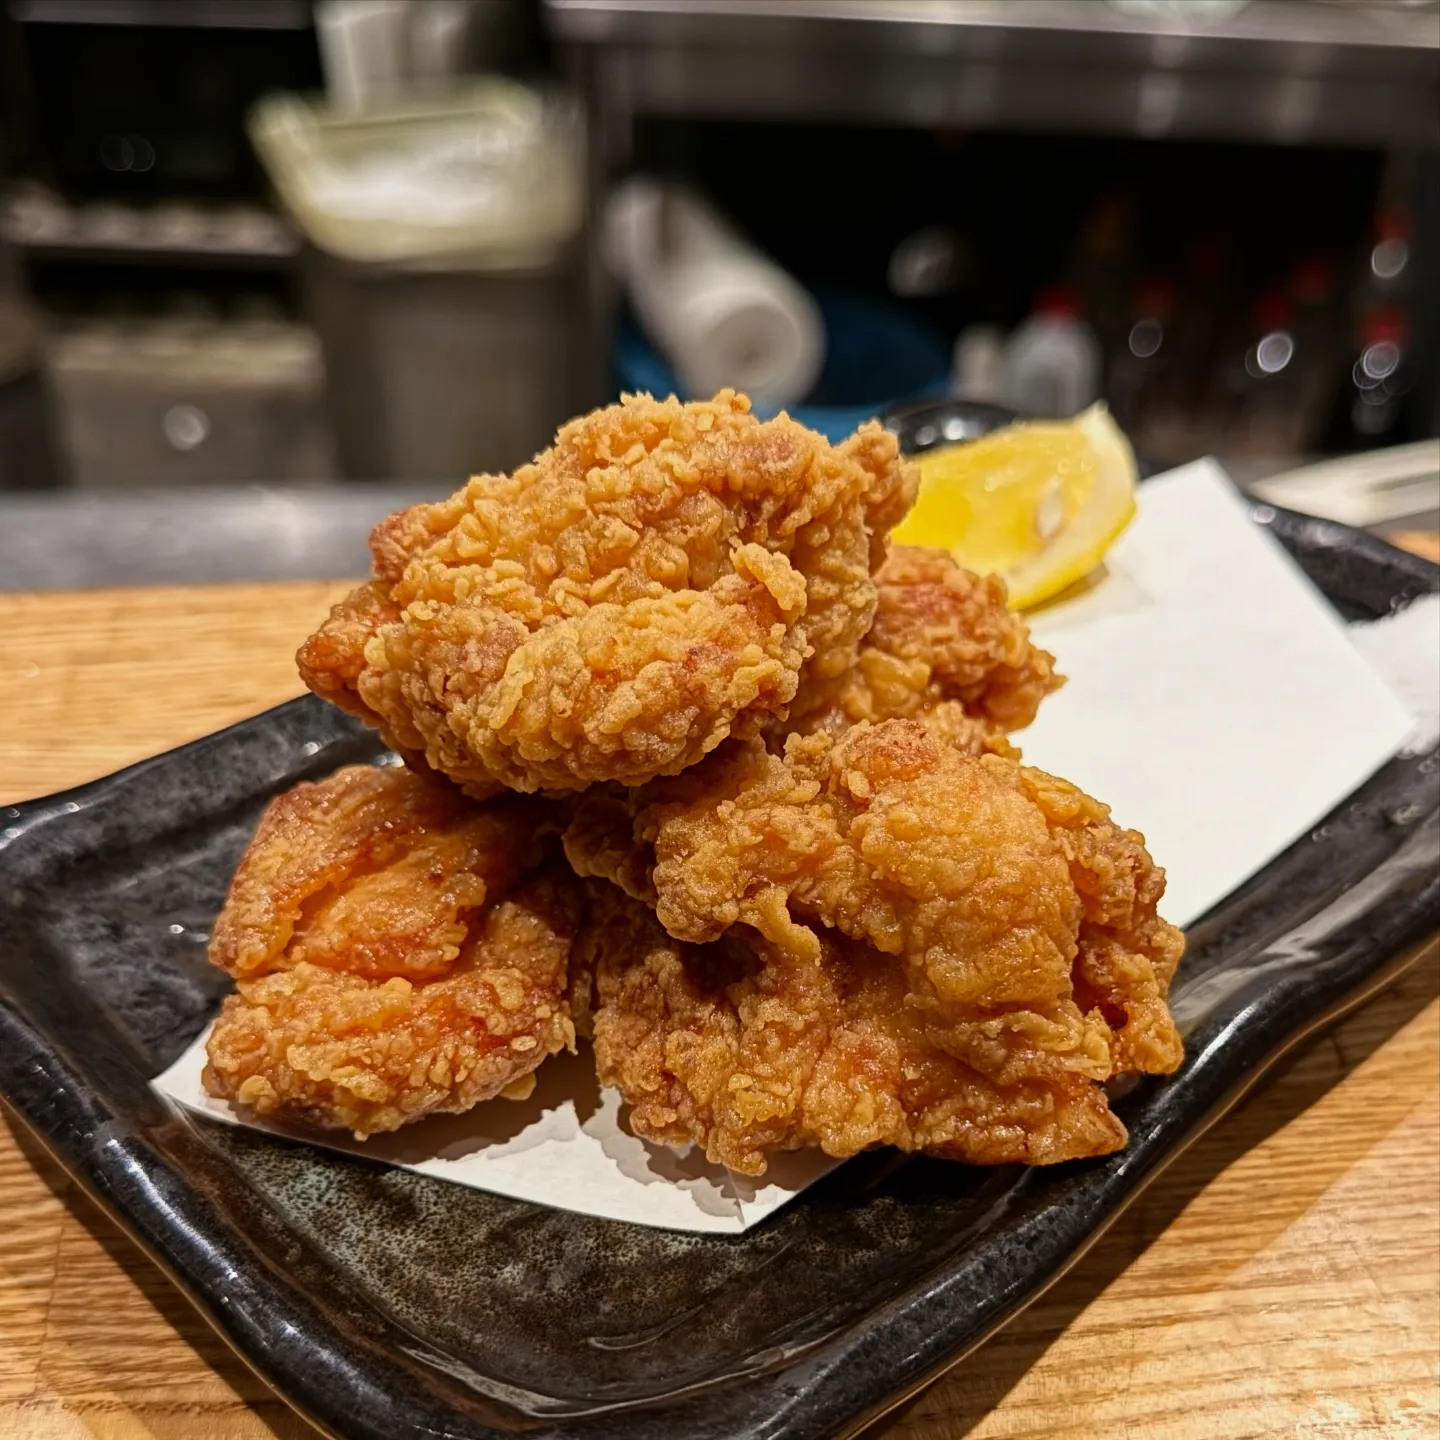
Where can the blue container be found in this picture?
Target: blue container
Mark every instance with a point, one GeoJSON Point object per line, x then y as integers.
{"type": "Point", "coordinates": [875, 355]}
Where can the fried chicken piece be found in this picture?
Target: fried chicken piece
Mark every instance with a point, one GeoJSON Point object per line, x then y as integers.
{"type": "Point", "coordinates": [333, 659]}
{"type": "Point", "coordinates": [944, 649]}
{"type": "Point", "coordinates": [1127, 953]}
{"type": "Point", "coordinates": [1019, 921]}
{"type": "Point", "coordinates": [743, 1048]}
{"type": "Point", "coordinates": [664, 576]}
{"type": "Point", "coordinates": [399, 951]}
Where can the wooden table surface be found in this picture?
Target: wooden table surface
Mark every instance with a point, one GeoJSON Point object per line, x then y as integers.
{"type": "Point", "coordinates": [1282, 1278]}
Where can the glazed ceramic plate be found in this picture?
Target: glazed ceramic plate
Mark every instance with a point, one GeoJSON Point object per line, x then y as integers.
{"type": "Point", "coordinates": [383, 1303]}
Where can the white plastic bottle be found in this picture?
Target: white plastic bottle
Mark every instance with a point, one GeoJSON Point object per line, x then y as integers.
{"type": "Point", "coordinates": [1053, 361]}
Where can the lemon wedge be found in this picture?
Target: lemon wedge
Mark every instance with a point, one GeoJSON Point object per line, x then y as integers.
{"type": "Point", "coordinates": [1037, 503]}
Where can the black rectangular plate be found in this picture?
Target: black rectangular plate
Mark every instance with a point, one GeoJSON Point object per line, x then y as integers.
{"type": "Point", "coordinates": [382, 1303]}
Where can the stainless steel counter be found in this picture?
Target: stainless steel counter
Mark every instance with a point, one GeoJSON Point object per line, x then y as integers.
{"type": "Point", "coordinates": [1292, 71]}
{"type": "Point", "coordinates": [69, 540]}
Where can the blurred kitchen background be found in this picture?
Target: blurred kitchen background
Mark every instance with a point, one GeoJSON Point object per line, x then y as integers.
{"type": "Point", "coordinates": [269, 268]}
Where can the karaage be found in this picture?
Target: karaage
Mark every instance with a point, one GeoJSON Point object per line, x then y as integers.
{"type": "Point", "coordinates": [945, 650]}
{"type": "Point", "coordinates": [812, 899]}
{"type": "Point", "coordinates": [743, 1047]}
{"type": "Point", "coordinates": [1017, 922]}
{"type": "Point", "coordinates": [663, 577]}
{"type": "Point", "coordinates": [398, 949]}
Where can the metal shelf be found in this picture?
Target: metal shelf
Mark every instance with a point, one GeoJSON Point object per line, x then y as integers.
{"type": "Point", "coordinates": [191, 14]}
{"type": "Point", "coordinates": [1286, 71]}
{"type": "Point", "coordinates": [236, 237]}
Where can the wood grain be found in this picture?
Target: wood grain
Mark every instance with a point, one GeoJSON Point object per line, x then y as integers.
{"type": "Point", "coordinates": [1282, 1278]}
{"type": "Point", "coordinates": [96, 680]}
{"type": "Point", "coordinates": [1420, 542]}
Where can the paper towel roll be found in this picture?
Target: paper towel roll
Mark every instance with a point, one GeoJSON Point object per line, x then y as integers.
{"type": "Point", "coordinates": [720, 311]}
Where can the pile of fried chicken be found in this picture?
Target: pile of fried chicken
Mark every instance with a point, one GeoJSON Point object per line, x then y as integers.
{"type": "Point", "coordinates": [698, 767]}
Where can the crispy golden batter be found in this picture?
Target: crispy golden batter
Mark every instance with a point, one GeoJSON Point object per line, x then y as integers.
{"type": "Point", "coordinates": [333, 659]}
{"type": "Point", "coordinates": [399, 951]}
{"type": "Point", "coordinates": [879, 930]}
{"type": "Point", "coordinates": [663, 577]}
{"type": "Point", "coordinates": [1018, 921]}
{"type": "Point", "coordinates": [944, 650]}
{"type": "Point", "coordinates": [744, 1048]}
{"type": "Point", "coordinates": [1127, 953]}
